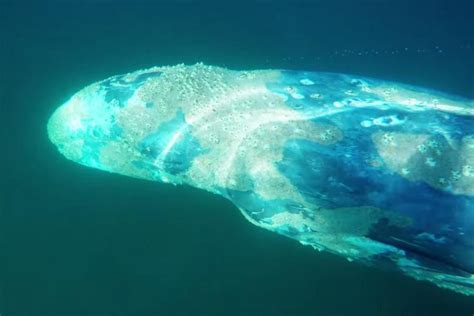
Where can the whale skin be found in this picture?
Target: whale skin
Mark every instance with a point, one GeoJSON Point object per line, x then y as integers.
{"type": "Point", "coordinates": [375, 171]}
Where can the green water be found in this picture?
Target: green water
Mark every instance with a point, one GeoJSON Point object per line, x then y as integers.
{"type": "Point", "coordinates": [76, 241]}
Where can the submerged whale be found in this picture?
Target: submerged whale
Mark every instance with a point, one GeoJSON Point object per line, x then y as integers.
{"type": "Point", "coordinates": [378, 172]}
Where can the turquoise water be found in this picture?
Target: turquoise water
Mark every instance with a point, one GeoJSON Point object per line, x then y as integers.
{"type": "Point", "coordinates": [76, 241]}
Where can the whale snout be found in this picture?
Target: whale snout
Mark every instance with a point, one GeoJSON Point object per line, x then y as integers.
{"type": "Point", "coordinates": [82, 126]}
{"type": "Point", "coordinates": [66, 129]}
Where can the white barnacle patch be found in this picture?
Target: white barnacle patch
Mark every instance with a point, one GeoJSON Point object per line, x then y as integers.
{"type": "Point", "coordinates": [422, 148]}
{"type": "Point", "coordinates": [328, 134]}
{"type": "Point", "coordinates": [430, 162]}
{"type": "Point", "coordinates": [294, 93]}
{"type": "Point", "coordinates": [388, 139]}
{"type": "Point", "coordinates": [389, 120]}
{"type": "Point", "coordinates": [338, 104]}
{"type": "Point", "coordinates": [455, 175]}
{"type": "Point", "coordinates": [366, 88]}
{"type": "Point", "coordinates": [297, 96]}
{"type": "Point", "coordinates": [306, 82]}
{"type": "Point", "coordinates": [433, 144]}
{"type": "Point", "coordinates": [296, 221]}
{"type": "Point", "coordinates": [468, 170]}
{"type": "Point", "coordinates": [315, 96]}
{"type": "Point", "coordinates": [412, 102]}
{"type": "Point", "coordinates": [366, 123]}
{"type": "Point", "coordinates": [75, 124]}
{"type": "Point", "coordinates": [323, 136]}
{"type": "Point", "coordinates": [214, 139]}
{"type": "Point", "coordinates": [135, 100]}
{"type": "Point", "coordinates": [389, 92]}
{"type": "Point", "coordinates": [72, 114]}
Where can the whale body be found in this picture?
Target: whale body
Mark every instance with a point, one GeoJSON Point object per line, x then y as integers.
{"type": "Point", "coordinates": [378, 172]}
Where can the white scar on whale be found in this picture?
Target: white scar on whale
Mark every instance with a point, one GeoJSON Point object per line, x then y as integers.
{"type": "Point", "coordinates": [378, 172]}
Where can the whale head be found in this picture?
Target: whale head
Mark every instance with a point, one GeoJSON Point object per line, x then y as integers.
{"type": "Point", "coordinates": [117, 125]}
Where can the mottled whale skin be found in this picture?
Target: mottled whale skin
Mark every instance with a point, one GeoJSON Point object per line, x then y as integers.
{"type": "Point", "coordinates": [375, 171]}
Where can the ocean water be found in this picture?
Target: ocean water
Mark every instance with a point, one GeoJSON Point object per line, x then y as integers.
{"type": "Point", "coordinates": [77, 241]}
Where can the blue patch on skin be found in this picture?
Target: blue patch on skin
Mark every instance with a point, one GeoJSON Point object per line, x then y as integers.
{"type": "Point", "coordinates": [182, 153]}
{"type": "Point", "coordinates": [120, 94]}
{"type": "Point", "coordinates": [115, 132]}
{"type": "Point", "coordinates": [95, 138]}
{"type": "Point", "coordinates": [325, 175]}
{"type": "Point", "coordinates": [140, 79]}
{"type": "Point", "coordinates": [117, 88]}
{"type": "Point", "coordinates": [338, 175]}
{"type": "Point", "coordinates": [454, 254]}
